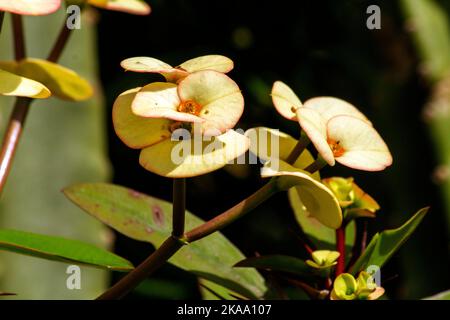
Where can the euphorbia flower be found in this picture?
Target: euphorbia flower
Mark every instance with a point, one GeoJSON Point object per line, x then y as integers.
{"type": "Point", "coordinates": [349, 140]}
{"type": "Point", "coordinates": [357, 202]}
{"type": "Point", "coordinates": [322, 259]}
{"type": "Point", "coordinates": [345, 287]}
{"type": "Point", "coordinates": [208, 97]}
{"type": "Point", "coordinates": [30, 7]}
{"type": "Point", "coordinates": [153, 136]}
{"type": "Point", "coordinates": [174, 74]}
{"type": "Point", "coordinates": [137, 7]}
{"type": "Point", "coordinates": [318, 200]}
{"type": "Point", "coordinates": [338, 130]}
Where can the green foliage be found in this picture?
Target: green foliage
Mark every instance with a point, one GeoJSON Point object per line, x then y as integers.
{"type": "Point", "coordinates": [383, 245]}
{"type": "Point", "coordinates": [145, 218]}
{"type": "Point", "coordinates": [61, 249]}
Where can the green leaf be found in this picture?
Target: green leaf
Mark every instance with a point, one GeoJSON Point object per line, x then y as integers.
{"type": "Point", "coordinates": [322, 236]}
{"type": "Point", "coordinates": [61, 249]}
{"type": "Point", "coordinates": [145, 218]}
{"type": "Point", "coordinates": [277, 263]}
{"type": "Point", "coordinates": [213, 291]}
{"type": "Point", "coordinates": [445, 295]}
{"type": "Point", "coordinates": [14, 85]}
{"type": "Point", "coordinates": [383, 245]}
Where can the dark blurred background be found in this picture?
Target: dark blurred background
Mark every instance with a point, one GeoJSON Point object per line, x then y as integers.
{"type": "Point", "coordinates": [318, 48]}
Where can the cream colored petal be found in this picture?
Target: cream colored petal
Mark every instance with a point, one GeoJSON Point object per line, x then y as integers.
{"type": "Point", "coordinates": [272, 144]}
{"type": "Point", "coordinates": [189, 158]}
{"type": "Point", "coordinates": [329, 107]}
{"type": "Point", "coordinates": [137, 132]}
{"type": "Point", "coordinates": [152, 65]}
{"type": "Point", "coordinates": [315, 128]}
{"type": "Point", "coordinates": [315, 196]}
{"type": "Point", "coordinates": [137, 7]}
{"type": "Point", "coordinates": [364, 148]}
{"type": "Point", "coordinates": [30, 7]}
{"type": "Point", "coordinates": [210, 62]}
{"type": "Point", "coordinates": [220, 98]}
{"type": "Point", "coordinates": [285, 100]}
{"type": "Point", "coordinates": [160, 100]}
{"type": "Point", "coordinates": [14, 85]}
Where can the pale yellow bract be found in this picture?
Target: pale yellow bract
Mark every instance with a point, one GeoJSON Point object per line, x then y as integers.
{"type": "Point", "coordinates": [176, 159]}
{"type": "Point", "coordinates": [137, 7]}
{"type": "Point", "coordinates": [174, 74]}
{"type": "Point", "coordinates": [319, 201]}
{"type": "Point", "coordinates": [15, 85]}
{"type": "Point", "coordinates": [30, 7]}
{"type": "Point", "coordinates": [218, 99]}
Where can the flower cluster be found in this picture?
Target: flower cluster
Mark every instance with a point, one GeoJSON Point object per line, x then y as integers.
{"type": "Point", "coordinates": [198, 103]}
{"type": "Point", "coordinates": [346, 287]}
{"type": "Point", "coordinates": [338, 130]}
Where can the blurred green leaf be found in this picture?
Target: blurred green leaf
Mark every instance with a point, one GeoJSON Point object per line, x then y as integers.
{"type": "Point", "coordinates": [429, 26]}
{"type": "Point", "coordinates": [145, 218]}
{"type": "Point", "coordinates": [61, 249]}
{"type": "Point", "coordinates": [322, 236]}
{"type": "Point", "coordinates": [445, 295]}
{"type": "Point", "coordinates": [277, 263]}
{"type": "Point", "coordinates": [383, 245]}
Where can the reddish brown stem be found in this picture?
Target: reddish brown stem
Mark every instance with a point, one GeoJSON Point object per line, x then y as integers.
{"type": "Point", "coordinates": [340, 247]}
{"type": "Point", "coordinates": [19, 38]}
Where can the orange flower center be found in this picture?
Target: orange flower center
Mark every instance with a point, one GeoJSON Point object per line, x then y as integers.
{"type": "Point", "coordinates": [335, 146]}
{"type": "Point", "coordinates": [190, 106]}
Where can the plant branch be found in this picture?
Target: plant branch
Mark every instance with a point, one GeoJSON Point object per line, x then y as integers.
{"type": "Point", "coordinates": [301, 145]}
{"type": "Point", "coordinates": [19, 38]}
{"type": "Point", "coordinates": [151, 264]}
{"type": "Point", "coordinates": [60, 44]}
{"type": "Point", "coordinates": [340, 247]}
{"type": "Point", "coordinates": [239, 210]}
{"type": "Point", "coordinates": [20, 111]}
{"type": "Point", "coordinates": [2, 16]}
{"type": "Point", "coordinates": [317, 165]}
{"type": "Point", "coordinates": [179, 207]}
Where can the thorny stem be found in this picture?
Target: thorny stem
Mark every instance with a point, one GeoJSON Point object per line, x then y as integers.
{"type": "Point", "coordinates": [340, 247]}
{"type": "Point", "coordinates": [179, 207]}
{"type": "Point", "coordinates": [22, 105]}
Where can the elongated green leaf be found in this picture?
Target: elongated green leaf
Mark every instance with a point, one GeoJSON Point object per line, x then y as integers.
{"type": "Point", "coordinates": [144, 218]}
{"type": "Point", "coordinates": [445, 295]}
{"type": "Point", "coordinates": [61, 249]}
{"type": "Point", "coordinates": [385, 244]}
{"type": "Point", "coordinates": [322, 236]}
{"type": "Point", "coordinates": [277, 263]}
